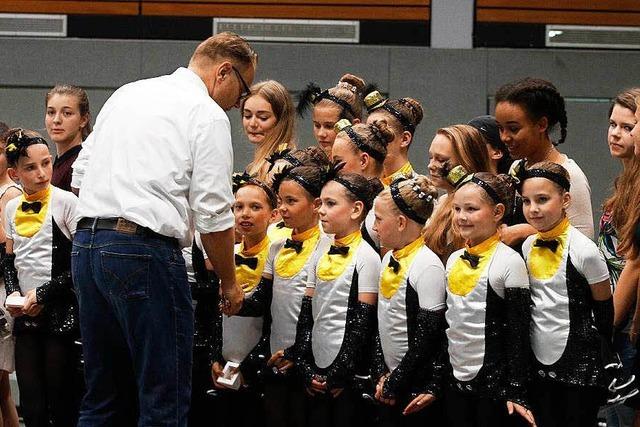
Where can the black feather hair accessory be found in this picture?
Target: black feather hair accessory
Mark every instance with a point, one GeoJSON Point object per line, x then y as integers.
{"type": "Point", "coordinates": [307, 98]}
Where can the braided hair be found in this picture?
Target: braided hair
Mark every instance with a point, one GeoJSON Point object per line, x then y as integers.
{"type": "Point", "coordinates": [539, 98]}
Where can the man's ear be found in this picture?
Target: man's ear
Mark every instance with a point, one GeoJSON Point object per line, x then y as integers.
{"type": "Point", "coordinates": [223, 70]}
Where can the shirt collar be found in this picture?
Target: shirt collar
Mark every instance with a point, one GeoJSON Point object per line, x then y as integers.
{"type": "Point", "coordinates": [484, 246]}
{"type": "Point", "coordinates": [191, 77]}
{"type": "Point", "coordinates": [73, 151]}
{"type": "Point", "coordinates": [555, 231]}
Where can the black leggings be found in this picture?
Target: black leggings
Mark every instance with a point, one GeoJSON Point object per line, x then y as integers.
{"type": "Point", "coordinates": [45, 368]}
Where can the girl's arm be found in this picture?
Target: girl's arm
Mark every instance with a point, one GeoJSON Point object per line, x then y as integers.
{"type": "Point", "coordinates": [259, 302]}
{"type": "Point", "coordinates": [624, 295]}
{"type": "Point", "coordinates": [10, 273]}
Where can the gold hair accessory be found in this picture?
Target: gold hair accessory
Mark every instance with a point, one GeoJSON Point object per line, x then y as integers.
{"type": "Point", "coordinates": [11, 147]}
{"type": "Point", "coordinates": [374, 100]}
{"type": "Point", "coordinates": [341, 125]}
{"type": "Point", "coordinates": [457, 175]}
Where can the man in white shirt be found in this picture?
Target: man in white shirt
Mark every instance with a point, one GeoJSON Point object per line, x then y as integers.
{"type": "Point", "coordinates": [157, 166]}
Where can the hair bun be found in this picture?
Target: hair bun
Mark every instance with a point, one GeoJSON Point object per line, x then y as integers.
{"type": "Point", "coordinates": [354, 83]}
{"type": "Point", "coordinates": [415, 108]}
{"type": "Point", "coordinates": [382, 131]}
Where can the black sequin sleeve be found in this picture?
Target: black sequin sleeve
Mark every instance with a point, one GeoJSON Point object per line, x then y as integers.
{"type": "Point", "coordinates": [378, 365]}
{"type": "Point", "coordinates": [423, 349]}
{"type": "Point", "coordinates": [215, 352]}
{"type": "Point", "coordinates": [11, 274]}
{"type": "Point", "coordinates": [518, 348]}
{"type": "Point", "coordinates": [300, 352]}
{"type": "Point", "coordinates": [603, 318]}
{"type": "Point", "coordinates": [357, 331]}
{"type": "Point", "coordinates": [59, 285]}
{"type": "Point", "coordinates": [259, 302]}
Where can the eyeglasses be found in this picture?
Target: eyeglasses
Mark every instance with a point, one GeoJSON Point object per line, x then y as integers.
{"type": "Point", "coordinates": [245, 87]}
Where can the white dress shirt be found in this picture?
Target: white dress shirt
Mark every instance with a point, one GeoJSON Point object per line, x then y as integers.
{"type": "Point", "coordinates": [160, 155]}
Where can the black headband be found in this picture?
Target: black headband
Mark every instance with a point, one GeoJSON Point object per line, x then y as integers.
{"type": "Point", "coordinates": [310, 188]}
{"type": "Point", "coordinates": [406, 124]}
{"type": "Point", "coordinates": [283, 155]}
{"type": "Point", "coordinates": [353, 190]}
{"type": "Point", "coordinates": [551, 176]}
{"type": "Point", "coordinates": [402, 205]}
{"type": "Point", "coordinates": [341, 102]}
{"type": "Point", "coordinates": [487, 188]}
{"type": "Point", "coordinates": [363, 146]}
{"type": "Point", "coordinates": [244, 179]}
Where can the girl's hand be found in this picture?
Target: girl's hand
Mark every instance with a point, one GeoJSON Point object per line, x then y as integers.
{"type": "Point", "coordinates": [14, 311]}
{"type": "Point", "coordinates": [421, 401]}
{"type": "Point", "coordinates": [31, 306]}
{"type": "Point", "coordinates": [522, 411]}
{"type": "Point", "coordinates": [379, 388]}
{"type": "Point", "coordinates": [216, 371]}
{"type": "Point", "coordinates": [275, 359]}
{"type": "Point", "coordinates": [317, 386]}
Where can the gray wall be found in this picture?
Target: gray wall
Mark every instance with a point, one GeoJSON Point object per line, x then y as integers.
{"type": "Point", "coordinates": [453, 85]}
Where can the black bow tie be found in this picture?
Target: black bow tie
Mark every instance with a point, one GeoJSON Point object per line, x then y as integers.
{"type": "Point", "coordinates": [552, 244]}
{"type": "Point", "coordinates": [294, 244]}
{"type": "Point", "coordinates": [472, 259]}
{"type": "Point", "coordinates": [33, 206]}
{"type": "Point", "coordinates": [280, 224]}
{"type": "Point", "coordinates": [251, 262]}
{"type": "Point", "coordinates": [394, 264]}
{"type": "Point", "coordinates": [338, 250]}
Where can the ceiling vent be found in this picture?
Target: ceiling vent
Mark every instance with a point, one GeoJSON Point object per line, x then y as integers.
{"type": "Point", "coordinates": [290, 30]}
{"type": "Point", "coordinates": [19, 24]}
{"type": "Point", "coordinates": [590, 37]}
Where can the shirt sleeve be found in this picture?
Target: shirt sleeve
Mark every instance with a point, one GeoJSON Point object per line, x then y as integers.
{"type": "Point", "coordinates": [589, 261]}
{"type": "Point", "coordinates": [580, 213]}
{"type": "Point", "coordinates": [210, 195]}
{"type": "Point", "coordinates": [71, 213]}
{"type": "Point", "coordinates": [8, 221]}
{"type": "Point", "coordinates": [515, 272]}
{"type": "Point", "coordinates": [368, 267]}
{"type": "Point", "coordinates": [80, 165]}
{"type": "Point", "coordinates": [271, 257]}
{"type": "Point", "coordinates": [429, 281]}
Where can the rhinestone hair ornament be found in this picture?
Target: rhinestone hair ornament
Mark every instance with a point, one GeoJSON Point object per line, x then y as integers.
{"type": "Point", "coordinates": [344, 125]}
{"type": "Point", "coordinates": [404, 207]}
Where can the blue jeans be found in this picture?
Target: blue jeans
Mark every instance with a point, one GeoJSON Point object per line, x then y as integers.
{"type": "Point", "coordinates": [136, 322]}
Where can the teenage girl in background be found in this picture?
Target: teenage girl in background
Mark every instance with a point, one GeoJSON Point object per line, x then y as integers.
{"type": "Point", "coordinates": [343, 101]}
{"type": "Point", "coordinates": [452, 146]}
{"type": "Point", "coordinates": [240, 339]}
{"type": "Point", "coordinates": [68, 122]}
{"type": "Point", "coordinates": [268, 119]}
{"type": "Point", "coordinates": [411, 305]}
{"type": "Point", "coordinates": [39, 227]}
{"type": "Point", "coordinates": [533, 122]}
{"type": "Point", "coordinates": [403, 116]}
{"type": "Point", "coordinates": [572, 311]}
{"type": "Point", "coordinates": [487, 311]}
{"type": "Point", "coordinates": [290, 265]}
{"type": "Point", "coordinates": [343, 305]}
{"type": "Point", "coordinates": [615, 213]}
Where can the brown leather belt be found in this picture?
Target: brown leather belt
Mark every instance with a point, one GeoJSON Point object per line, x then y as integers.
{"type": "Point", "coordinates": [120, 225]}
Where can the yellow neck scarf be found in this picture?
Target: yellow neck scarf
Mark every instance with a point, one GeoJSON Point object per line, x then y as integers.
{"type": "Point", "coordinates": [332, 266]}
{"type": "Point", "coordinates": [391, 279]}
{"type": "Point", "coordinates": [463, 278]}
{"type": "Point", "coordinates": [29, 223]}
{"type": "Point", "coordinates": [288, 262]}
{"type": "Point", "coordinates": [249, 278]}
{"type": "Point", "coordinates": [405, 171]}
{"type": "Point", "coordinates": [543, 263]}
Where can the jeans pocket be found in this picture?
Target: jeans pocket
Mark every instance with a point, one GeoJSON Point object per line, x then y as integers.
{"type": "Point", "coordinates": [127, 274]}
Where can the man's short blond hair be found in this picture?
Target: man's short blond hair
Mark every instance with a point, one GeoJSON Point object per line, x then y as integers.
{"type": "Point", "coordinates": [227, 46]}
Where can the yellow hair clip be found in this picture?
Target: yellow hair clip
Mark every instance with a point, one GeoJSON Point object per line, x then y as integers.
{"type": "Point", "coordinates": [11, 147]}
{"type": "Point", "coordinates": [341, 125]}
